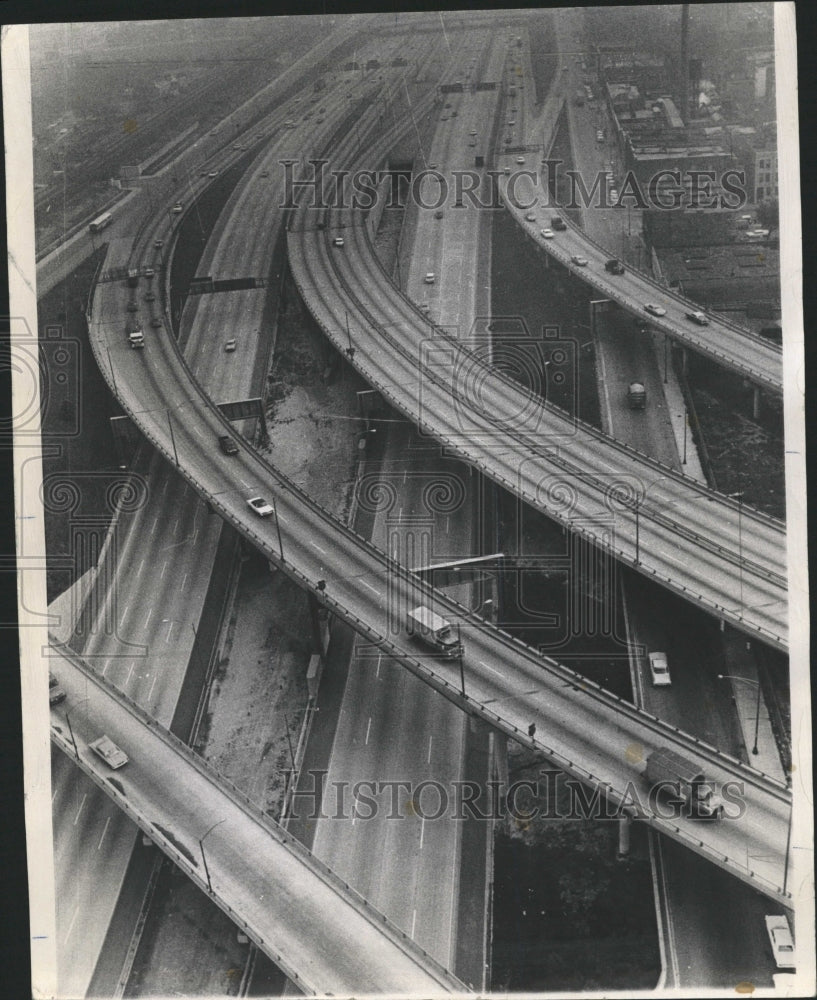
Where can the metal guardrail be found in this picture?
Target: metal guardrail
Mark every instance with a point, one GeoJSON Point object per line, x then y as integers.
{"type": "Point", "coordinates": [318, 867]}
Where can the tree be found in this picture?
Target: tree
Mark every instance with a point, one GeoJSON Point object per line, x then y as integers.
{"type": "Point", "coordinates": [768, 213]}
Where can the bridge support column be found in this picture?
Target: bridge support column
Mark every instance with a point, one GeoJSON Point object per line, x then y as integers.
{"type": "Point", "coordinates": [624, 824]}
{"type": "Point", "coordinates": [320, 625]}
{"type": "Point", "coordinates": [756, 403]}
{"type": "Point", "coordinates": [684, 360]}
{"type": "Point", "coordinates": [499, 756]}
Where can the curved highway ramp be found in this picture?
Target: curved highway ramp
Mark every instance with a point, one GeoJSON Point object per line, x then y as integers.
{"type": "Point", "coordinates": [322, 933]}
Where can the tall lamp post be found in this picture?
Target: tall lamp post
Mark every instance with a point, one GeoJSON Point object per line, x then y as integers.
{"type": "Point", "coordinates": [278, 527]}
{"type": "Point", "coordinates": [747, 680]}
{"type": "Point", "coordinates": [203, 856]}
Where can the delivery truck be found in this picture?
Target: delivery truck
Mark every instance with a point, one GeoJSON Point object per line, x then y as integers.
{"type": "Point", "coordinates": [433, 630]}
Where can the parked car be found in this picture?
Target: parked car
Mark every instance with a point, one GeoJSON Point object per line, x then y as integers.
{"type": "Point", "coordinates": [659, 671]}
{"type": "Point", "coordinates": [229, 345]}
{"type": "Point", "coordinates": [781, 941]}
{"type": "Point", "coordinates": [578, 260]}
{"type": "Point", "coordinates": [697, 317]}
{"type": "Point", "coordinates": [260, 506]}
{"type": "Point", "coordinates": [656, 310]}
{"type": "Point", "coordinates": [228, 445]}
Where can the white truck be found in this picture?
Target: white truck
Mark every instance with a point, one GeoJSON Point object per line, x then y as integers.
{"type": "Point", "coordinates": [667, 771]}
{"type": "Point", "coordinates": [435, 631]}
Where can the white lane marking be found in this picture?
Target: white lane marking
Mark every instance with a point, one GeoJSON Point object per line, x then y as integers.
{"type": "Point", "coordinates": [175, 525]}
{"type": "Point", "coordinates": [141, 565]}
{"type": "Point", "coordinates": [447, 522]}
{"type": "Point", "coordinates": [422, 832]}
{"type": "Point", "coordinates": [164, 567]}
{"type": "Point", "coordinates": [379, 658]}
{"type": "Point", "coordinates": [155, 522]}
{"type": "Point", "coordinates": [169, 630]}
{"type": "Point", "coordinates": [123, 615]}
{"type": "Point", "coordinates": [152, 686]}
{"type": "Point", "coordinates": [147, 620]}
{"type": "Point", "coordinates": [371, 587]}
{"type": "Point", "coordinates": [184, 580]}
{"type": "Point", "coordinates": [164, 488]}
{"type": "Point", "coordinates": [130, 672]}
{"type": "Point", "coordinates": [84, 797]}
{"type": "Point", "coordinates": [316, 546]}
{"type": "Point", "coordinates": [104, 831]}
{"type": "Point", "coordinates": [244, 482]}
{"type": "Point", "coordinates": [413, 922]}
{"type": "Point", "coordinates": [492, 669]}
{"type": "Point", "coordinates": [428, 758]}
{"type": "Point", "coordinates": [368, 730]}
{"type": "Point", "coordinates": [71, 926]}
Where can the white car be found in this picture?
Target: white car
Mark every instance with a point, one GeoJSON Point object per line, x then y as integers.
{"type": "Point", "coordinates": [430, 278]}
{"type": "Point", "coordinates": [520, 159]}
{"type": "Point", "coordinates": [781, 941]}
{"type": "Point", "coordinates": [579, 261]}
{"type": "Point", "coordinates": [654, 309]}
{"type": "Point", "coordinates": [337, 241]}
{"type": "Point", "coordinates": [697, 317]}
{"type": "Point", "coordinates": [659, 671]}
{"type": "Point", "coordinates": [260, 506]}
{"type": "Point", "coordinates": [229, 345]}
{"type": "Point", "coordinates": [547, 233]}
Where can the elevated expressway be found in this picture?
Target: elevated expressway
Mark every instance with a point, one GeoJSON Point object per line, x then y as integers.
{"type": "Point", "coordinates": [524, 189]}
{"type": "Point", "coordinates": [139, 634]}
{"type": "Point", "coordinates": [324, 935]}
{"type": "Point", "coordinates": [725, 556]}
{"type": "Point", "coordinates": [596, 737]}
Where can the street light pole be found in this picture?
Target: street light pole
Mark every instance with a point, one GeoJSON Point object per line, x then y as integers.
{"type": "Point", "coordinates": [204, 857]}
{"type": "Point", "coordinates": [71, 731]}
{"type": "Point", "coordinates": [462, 668]}
{"type": "Point", "coordinates": [349, 350]}
{"type": "Point", "coordinates": [748, 680]}
{"type": "Point", "coordinates": [172, 439]}
{"type": "Point", "coordinates": [686, 419]}
{"type": "Point", "coordinates": [278, 527]}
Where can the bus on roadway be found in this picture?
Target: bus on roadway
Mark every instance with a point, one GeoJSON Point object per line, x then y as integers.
{"type": "Point", "coordinates": [101, 222]}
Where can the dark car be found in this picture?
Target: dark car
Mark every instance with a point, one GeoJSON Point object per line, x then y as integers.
{"type": "Point", "coordinates": [228, 445]}
{"type": "Point", "coordinates": [558, 223]}
{"type": "Point", "coordinates": [614, 266]}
